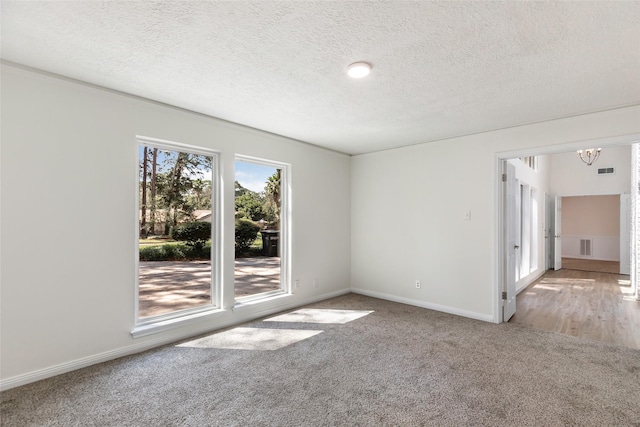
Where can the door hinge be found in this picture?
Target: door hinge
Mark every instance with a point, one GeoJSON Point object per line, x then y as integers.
{"type": "Point", "coordinates": [504, 177]}
{"type": "Point", "coordinates": [504, 296]}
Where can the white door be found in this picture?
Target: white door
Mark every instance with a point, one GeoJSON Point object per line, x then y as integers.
{"type": "Point", "coordinates": [511, 215]}
{"type": "Point", "coordinates": [625, 234]}
{"type": "Point", "coordinates": [557, 234]}
{"type": "Point", "coordinates": [548, 247]}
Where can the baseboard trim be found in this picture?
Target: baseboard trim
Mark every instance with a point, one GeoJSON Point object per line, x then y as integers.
{"type": "Point", "coordinates": [62, 368]}
{"type": "Point", "coordinates": [423, 304]}
{"type": "Point", "coordinates": [159, 339]}
{"type": "Point", "coordinates": [588, 258]}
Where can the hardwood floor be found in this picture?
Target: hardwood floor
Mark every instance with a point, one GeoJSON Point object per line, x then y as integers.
{"type": "Point", "coordinates": [592, 305]}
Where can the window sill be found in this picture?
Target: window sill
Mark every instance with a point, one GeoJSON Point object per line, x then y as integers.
{"type": "Point", "coordinates": [162, 325]}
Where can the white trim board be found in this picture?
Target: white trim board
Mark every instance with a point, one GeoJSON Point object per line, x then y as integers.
{"type": "Point", "coordinates": [427, 305]}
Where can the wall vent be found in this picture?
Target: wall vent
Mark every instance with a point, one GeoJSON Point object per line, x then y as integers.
{"type": "Point", "coordinates": [585, 247]}
{"type": "Point", "coordinates": [602, 171]}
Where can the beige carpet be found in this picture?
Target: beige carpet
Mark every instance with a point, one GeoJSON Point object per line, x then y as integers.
{"type": "Point", "coordinates": [350, 361]}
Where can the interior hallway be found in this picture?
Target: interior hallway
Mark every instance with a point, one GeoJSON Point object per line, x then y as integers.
{"type": "Point", "coordinates": [586, 304]}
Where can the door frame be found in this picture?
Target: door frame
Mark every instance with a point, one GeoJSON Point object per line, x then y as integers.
{"type": "Point", "coordinates": [511, 211]}
{"type": "Point", "coordinates": [557, 233]}
{"type": "Point", "coordinates": [548, 238]}
{"type": "Point", "coordinates": [625, 233]}
{"type": "Point", "coordinates": [500, 195]}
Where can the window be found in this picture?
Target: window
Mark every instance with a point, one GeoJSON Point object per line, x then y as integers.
{"type": "Point", "coordinates": [527, 258]}
{"type": "Point", "coordinates": [525, 230]}
{"type": "Point", "coordinates": [531, 161]}
{"type": "Point", "coordinates": [260, 228]}
{"type": "Point", "coordinates": [177, 217]}
{"type": "Point", "coordinates": [535, 227]}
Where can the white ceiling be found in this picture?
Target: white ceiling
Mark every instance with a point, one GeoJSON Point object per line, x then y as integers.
{"type": "Point", "coordinates": [440, 69]}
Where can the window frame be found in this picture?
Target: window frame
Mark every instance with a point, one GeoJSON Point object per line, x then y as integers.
{"type": "Point", "coordinates": [285, 231]}
{"type": "Point", "coordinates": [143, 325]}
{"type": "Point", "coordinates": [531, 161]}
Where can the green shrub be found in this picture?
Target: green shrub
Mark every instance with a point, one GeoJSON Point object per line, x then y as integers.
{"type": "Point", "coordinates": [175, 252]}
{"type": "Point", "coordinates": [246, 233]}
{"type": "Point", "coordinates": [194, 233]}
{"type": "Point", "coordinates": [198, 252]}
{"type": "Point", "coordinates": [152, 253]}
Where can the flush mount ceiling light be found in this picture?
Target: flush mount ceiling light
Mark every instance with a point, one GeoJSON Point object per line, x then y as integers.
{"type": "Point", "coordinates": [358, 70]}
{"type": "Point", "coordinates": [590, 155]}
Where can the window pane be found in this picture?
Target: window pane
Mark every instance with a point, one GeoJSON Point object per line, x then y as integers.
{"type": "Point", "coordinates": [175, 218]}
{"type": "Point", "coordinates": [258, 207]}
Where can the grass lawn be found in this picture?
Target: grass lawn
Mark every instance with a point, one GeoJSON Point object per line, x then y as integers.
{"type": "Point", "coordinates": [155, 241]}
{"type": "Point", "coordinates": [159, 241]}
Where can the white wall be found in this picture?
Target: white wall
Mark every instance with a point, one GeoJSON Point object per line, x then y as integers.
{"type": "Point", "coordinates": [596, 218]}
{"type": "Point", "coordinates": [408, 207]}
{"type": "Point", "coordinates": [69, 171]}
{"type": "Point", "coordinates": [571, 177]}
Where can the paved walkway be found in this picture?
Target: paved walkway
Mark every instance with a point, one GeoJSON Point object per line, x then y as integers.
{"type": "Point", "coordinates": [167, 286]}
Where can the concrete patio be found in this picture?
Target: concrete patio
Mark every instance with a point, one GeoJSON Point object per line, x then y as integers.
{"type": "Point", "coordinates": [167, 286]}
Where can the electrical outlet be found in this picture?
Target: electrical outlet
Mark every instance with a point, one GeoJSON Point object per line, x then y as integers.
{"type": "Point", "coordinates": [418, 284]}
{"type": "Point", "coordinates": [297, 283]}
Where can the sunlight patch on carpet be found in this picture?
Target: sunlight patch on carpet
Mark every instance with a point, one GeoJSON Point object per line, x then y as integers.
{"type": "Point", "coordinates": [320, 315]}
{"type": "Point", "coordinates": [251, 339]}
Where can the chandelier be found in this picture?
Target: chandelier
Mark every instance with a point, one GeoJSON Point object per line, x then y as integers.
{"type": "Point", "coordinates": [590, 155]}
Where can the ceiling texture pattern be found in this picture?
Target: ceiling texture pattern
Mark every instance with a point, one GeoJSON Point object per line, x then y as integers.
{"type": "Point", "coordinates": [440, 69]}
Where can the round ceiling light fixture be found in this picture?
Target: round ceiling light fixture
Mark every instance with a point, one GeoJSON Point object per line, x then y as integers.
{"type": "Point", "coordinates": [358, 70]}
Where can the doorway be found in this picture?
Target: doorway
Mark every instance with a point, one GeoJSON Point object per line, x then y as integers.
{"type": "Point", "coordinates": [505, 288]}
{"type": "Point", "coordinates": [548, 231]}
{"type": "Point", "coordinates": [592, 233]}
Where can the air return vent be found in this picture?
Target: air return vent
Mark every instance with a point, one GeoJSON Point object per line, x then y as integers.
{"type": "Point", "coordinates": [585, 247]}
{"type": "Point", "coordinates": [603, 171]}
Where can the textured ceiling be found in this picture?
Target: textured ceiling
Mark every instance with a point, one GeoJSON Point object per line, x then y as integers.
{"type": "Point", "coordinates": [440, 69]}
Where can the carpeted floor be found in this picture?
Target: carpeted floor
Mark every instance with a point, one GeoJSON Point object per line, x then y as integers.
{"type": "Point", "coordinates": [373, 362]}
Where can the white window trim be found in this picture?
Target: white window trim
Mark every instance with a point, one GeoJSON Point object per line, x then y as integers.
{"type": "Point", "coordinates": [177, 318]}
{"type": "Point", "coordinates": [285, 232]}
{"type": "Point", "coordinates": [525, 231]}
{"type": "Point", "coordinates": [186, 317]}
{"type": "Point", "coordinates": [534, 250]}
